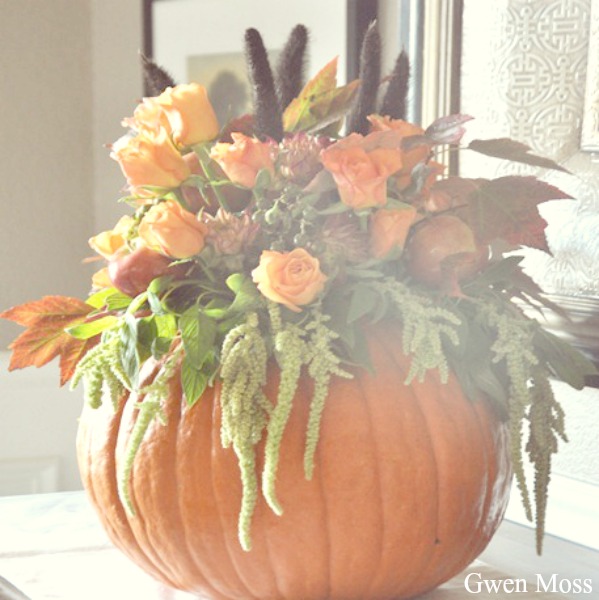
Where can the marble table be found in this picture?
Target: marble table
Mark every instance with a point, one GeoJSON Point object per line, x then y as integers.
{"type": "Point", "coordinates": [52, 547]}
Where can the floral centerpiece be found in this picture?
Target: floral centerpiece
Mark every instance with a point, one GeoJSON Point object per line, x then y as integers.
{"type": "Point", "coordinates": [276, 248]}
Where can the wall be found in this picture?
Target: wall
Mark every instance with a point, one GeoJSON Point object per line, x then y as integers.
{"type": "Point", "coordinates": [45, 173]}
{"type": "Point", "coordinates": [70, 72]}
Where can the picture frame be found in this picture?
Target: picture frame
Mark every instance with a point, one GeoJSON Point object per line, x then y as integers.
{"type": "Point", "coordinates": [202, 40]}
{"type": "Point", "coordinates": [589, 139]}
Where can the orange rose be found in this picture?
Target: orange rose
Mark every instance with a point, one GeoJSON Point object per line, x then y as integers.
{"type": "Point", "coordinates": [289, 278]}
{"type": "Point", "coordinates": [150, 160]}
{"type": "Point", "coordinates": [361, 166]}
{"type": "Point", "coordinates": [170, 229]}
{"type": "Point", "coordinates": [101, 279]}
{"type": "Point", "coordinates": [108, 243]}
{"type": "Point", "coordinates": [190, 114]}
{"type": "Point", "coordinates": [148, 117]}
{"type": "Point", "coordinates": [389, 229]}
{"type": "Point", "coordinates": [243, 159]}
{"type": "Point", "coordinates": [410, 158]}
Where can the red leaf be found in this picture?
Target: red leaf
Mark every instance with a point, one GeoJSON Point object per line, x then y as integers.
{"type": "Point", "coordinates": [506, 208]}
{"type": "Point", "coordinates": [515, 151]}
{"type": "Point", "coordinates": [48, 309]}
{"type": "Point", "coordinates": [45, 337]}
{"type": "Point", "coordinates": [72, 351]}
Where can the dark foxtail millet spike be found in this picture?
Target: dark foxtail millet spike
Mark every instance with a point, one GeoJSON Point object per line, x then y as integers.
{"type": "Point", "coordinates": [394, 100]}
{"type": "Point", "coordinates": [370, 75]}
{"type": "Point", "coordinates": [156, 79]}
{"type": "Point", "coordinates": [267, 113]}
{"type": "Point", "coordinates": [290, 68]}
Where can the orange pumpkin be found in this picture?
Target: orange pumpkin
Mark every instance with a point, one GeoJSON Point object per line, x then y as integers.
{"type": "Point", "coordinates": [409, 485]}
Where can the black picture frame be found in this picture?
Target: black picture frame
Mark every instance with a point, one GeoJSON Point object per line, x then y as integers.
{"type": "Point", "coordinates": [360, 13]}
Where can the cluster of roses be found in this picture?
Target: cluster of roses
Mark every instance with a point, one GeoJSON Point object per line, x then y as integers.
{"type": "Point", "coordinates": [161, 159]}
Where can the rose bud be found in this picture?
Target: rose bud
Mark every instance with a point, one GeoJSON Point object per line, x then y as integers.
{"type": "Point", "coordinates": [132, 273]}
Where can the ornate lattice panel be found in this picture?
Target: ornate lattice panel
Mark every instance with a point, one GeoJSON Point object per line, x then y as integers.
{"type": "Point", "coordinates": [524, 73]}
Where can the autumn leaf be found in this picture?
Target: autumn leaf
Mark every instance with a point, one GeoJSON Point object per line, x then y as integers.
{"type": "Point", "coordinates": [55, 309]}
{"type": "Point", "coordinates": [72, 351]}
{"type": "Point", "coordinates": [320, 102]}
{"type": "Point", "coordinates": [515, 151]}
{"type": "Point", "coordinates": [45, 337]}
{"type": "Point", "coordinates": [507, 208]}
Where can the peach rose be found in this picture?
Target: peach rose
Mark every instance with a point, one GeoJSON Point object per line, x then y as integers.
{"type": "Point", "coordinates": [190, 114]}
{"type": "Point", "coordinates": [410, 158]}
{"type": "Point", "coordinates": [148, 117]}
{"type": "Point", "coordinates": [108, 243]}
{"type": "Point", "coordinates": [389, 229]}
{"type": "Point", "coordinates": [361, 166]}
{"type": "Point", "coordinates": [150, 160]}
{"type": "Point", "coordinates": [170, 229]}
{"type": "Point", "coordinates": [289, 278]}
{"type": "Point", "coordinates": [101, 279]}
{"type": "Point", "coordinates": [243, 159]}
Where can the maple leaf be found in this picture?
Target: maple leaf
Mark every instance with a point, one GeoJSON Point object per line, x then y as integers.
{"type": "Point", "coordinates": [45, 337]}
{"type": "Point", "coordinates": [320, 102]}
{"type": "Point", "coordinates": [507, 208]}
{"type": "Point", "coordinates": [72, 351]}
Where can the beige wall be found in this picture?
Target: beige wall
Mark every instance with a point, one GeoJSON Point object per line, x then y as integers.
{"type": "Point", "coordinates": [68, 74]}
{"type": "Point", "coordinates": [46, 179]}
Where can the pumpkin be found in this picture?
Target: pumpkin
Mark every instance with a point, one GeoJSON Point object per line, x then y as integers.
{"type": "Point", "coordinates": [409, 485]}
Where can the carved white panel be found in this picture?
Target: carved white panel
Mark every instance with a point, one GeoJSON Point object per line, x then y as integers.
{"type": "Point", "coordinates": [524, 74]}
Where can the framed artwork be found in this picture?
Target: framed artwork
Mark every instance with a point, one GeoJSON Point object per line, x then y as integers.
{"type": "Point", "coordinates": [202, 40]}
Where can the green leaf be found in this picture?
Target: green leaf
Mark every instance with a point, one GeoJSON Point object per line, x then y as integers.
{"type": "Point", "coordinates": [84, 331]}
{"type": "Point", "coordinates": [118, 301]}
{"type": "Point", "coordinates": [160, 346]}
{"type": "Point", "coordinates": [363, 301]}
{"type": "Point", "coordinates": [166, 325]}
{"type": "Point", "coordinates": [130, 354]}
{"type": "Point", "coordinates": [98, 300]}
{"type": "Point", "coordinates": [193, 381]}
{"type": "Point", "coordinates": [247, 296]}
{"type": "Point", "coordinates": [568, 363]}
{"type": "Point", "coordinates": [198, 332]}
{"type": "Point", "coordinates": [235, 281]}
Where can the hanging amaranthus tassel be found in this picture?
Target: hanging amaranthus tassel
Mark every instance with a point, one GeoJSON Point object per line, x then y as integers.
{"type": "Point", "coordinates": [267, 113]}
{"type": "Point", "coordinates": [394, 101]}
{"type": "Point", "coordinates": [290, 68]}
{"type": "Point", "coordinates": [156, 79]}
{"type": "Point", "coordinates": [370, 75]}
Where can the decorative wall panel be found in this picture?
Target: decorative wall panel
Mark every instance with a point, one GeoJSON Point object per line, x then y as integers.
{"type": "Point", "coordinates": [524, 73]}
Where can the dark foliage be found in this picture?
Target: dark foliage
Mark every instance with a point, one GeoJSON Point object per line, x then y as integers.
{"type": "Point", "coordinates": [394, 101]}
{"type": "Point", "coordinates": [267, 112]}
{"type": "Point", "coordinates": [156, 79]}
{"type": "Point", "coordinates": [370, 75]}
{"type": "Point", "coordinates": [290, 68]}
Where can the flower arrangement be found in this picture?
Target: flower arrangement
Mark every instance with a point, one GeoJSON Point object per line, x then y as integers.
{"type": "Point", "coordinates": [280, 237]}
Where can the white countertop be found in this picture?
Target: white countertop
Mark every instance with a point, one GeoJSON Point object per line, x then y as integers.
{"type": "Point", "coordinates": [52, 547]}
